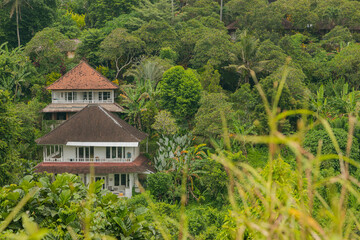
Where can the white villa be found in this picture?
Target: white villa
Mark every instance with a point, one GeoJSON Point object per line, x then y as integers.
{"type": "Point", "coordinates": [95, 140]}
{"type": "Point", "coordinates": [76, 89]}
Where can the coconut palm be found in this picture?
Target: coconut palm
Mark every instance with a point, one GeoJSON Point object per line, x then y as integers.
{"type": "Point", "coordinates": [146, 72]}
{"type": "Point", "coordinates": [15, 8]}
{"type": "Point", "coordinates": [247, 48]}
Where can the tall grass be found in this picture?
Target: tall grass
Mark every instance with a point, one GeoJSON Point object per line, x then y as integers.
{"type": "Point", "coordinates": [281, 203]}
{"type": "Point", "coordinates": [277, 202]}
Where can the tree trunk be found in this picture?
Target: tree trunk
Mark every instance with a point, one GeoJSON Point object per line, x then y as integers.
{"type": "Point", "coordinates": [172, 10]}
{"type": "Point", "coordinates": [17, 25]}
{"type": "Point", "coordinates": [221, 10]}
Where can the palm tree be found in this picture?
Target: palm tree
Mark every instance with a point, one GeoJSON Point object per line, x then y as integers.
{"type": "Point", "coordinates": [247, 48]}
{"type": "Point", "coordinates": [146, 70]}
{"type": "Point", "coordinates": [133, 99]}
{"type": "Point", "coordinates": [15, 7]}
{"type": "Point", "coordinates": [19, 77]}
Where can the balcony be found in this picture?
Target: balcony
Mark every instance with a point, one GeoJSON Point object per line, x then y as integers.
{"type": "Point", "coordinates": [54, 159]}
{"type": "Point", "coordinates": [81, 101]}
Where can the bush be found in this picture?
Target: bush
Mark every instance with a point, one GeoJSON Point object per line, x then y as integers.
{"type": "Point", "coordinates": [315, 135]}
{"type": "Point", "coordinates": [168, 53]}
{"type": "Point", "coordinates": [160, 184]}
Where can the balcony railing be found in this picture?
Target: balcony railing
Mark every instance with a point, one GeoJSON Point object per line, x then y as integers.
{"type": "Point", "coordinates": [87, 160]}
{"type": "Point", "coordinates": [82, 101]}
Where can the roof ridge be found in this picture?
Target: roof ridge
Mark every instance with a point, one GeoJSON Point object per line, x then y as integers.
{"type": "Point", "coordinates": [117, 123]}
{"type": "Point", "coordinates": [107, 114]}
{"type": "Point", "coordinates": [63, 75]}
{"type": "Point", "coordinates": [73, 71]}
{"type": "Point", "coordinates": [101, 75]}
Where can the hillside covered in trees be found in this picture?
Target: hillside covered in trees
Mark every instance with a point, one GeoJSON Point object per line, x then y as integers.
{"type": "Point", "coordinates": [251, 107]}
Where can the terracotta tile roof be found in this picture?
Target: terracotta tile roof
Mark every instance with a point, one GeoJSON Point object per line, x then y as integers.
{"type": "Point", "coordinates": [139, 165]}
{"type": "Point", "coordinates": [76, 107]}
{"type": "Point", "coordinates": [93, 124]}
{"type": "Point", "coordinates": [82, 77]}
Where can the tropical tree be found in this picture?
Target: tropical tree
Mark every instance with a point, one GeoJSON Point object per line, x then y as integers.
{"type": "Point", "coordinates": [214, 107]}
{"type": "Point", "coordinates": [165, 123]}
{"type": "Point", "coordinates": [47, 49]}
{"type": "Point", "coordinates": [89, 47]}
{"type": "Point", "coordinates": [180, 92]}
{"type": "Point", "coordinates": [188, 164]}
{"type": "Point", "coordinates": [210, 79]}
{"type": "Point", "coordinates": [15, 70]}
{"type": "Point", "coordinates": [122, 48]}
{"type": "Point", "coordinates": [246, 50]}
{"type": "Point", "coordinates": [156, 35]}
{"type": "Point", "coordinates": [214, 46]}
{"type": "Point", "coordinates": [101, 11]}
{"type": "Point", "coordinates": [10, 131]}
{"type": "Point", "coordinates": [134, 100]}
{"type": "Point", "coordinates": [146, 73]}
{"type": "Point", "coordinates": [15, 6]}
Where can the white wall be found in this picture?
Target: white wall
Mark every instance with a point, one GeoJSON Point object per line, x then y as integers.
{"type": "Point", "coordinates": [69, 152]}
{"type": "Point", "coordinates": [100, 152]}
{"type": "Point", "coordinates": [56, 95]}
{"type": "Point", "coordinates": [137, 152]}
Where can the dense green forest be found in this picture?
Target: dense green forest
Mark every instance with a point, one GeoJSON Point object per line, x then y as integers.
{"type": "Point", "coordinates": [251, 107]}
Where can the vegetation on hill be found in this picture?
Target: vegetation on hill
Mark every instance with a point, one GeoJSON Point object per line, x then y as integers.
{"type": "Point", "coordinates": [251, 108]}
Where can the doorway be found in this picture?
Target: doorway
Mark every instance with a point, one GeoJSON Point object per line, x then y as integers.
{"type": "Point", "coordinates": [98, 178]}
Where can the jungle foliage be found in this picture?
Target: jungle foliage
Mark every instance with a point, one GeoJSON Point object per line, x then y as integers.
{"type": "Point", "coordinates": [251, 108]}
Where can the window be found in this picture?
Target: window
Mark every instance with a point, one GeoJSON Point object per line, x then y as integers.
{"type": "Point", "coordinates": [121, 180]}
{"type": "Point", "coordinates": [117, 180]}
{"type": "Point", "coordinates": [106, 95]}
{"type": "Point", "coordinates": [84, 152]}
{"type": "Point", "coordinates": [87, 96]}
{"type": "Point", "coordinates": [87, 153]}
{"type": "Point", "coordinates": [91, 152]}
{"type": "Point", "coordinates": [128, 155]}
{"type": "Point", "coordinates": [81, 152]}
{"type": "Point", "coordinates": [60, 116]}
{"type": "Point", "coordinates": [99, 179]}
{"type": "Point", "coordinates": [69, 96]}
{"type": "Point", "coordinates": [113, 155]}
{"type": "Point", "coordinates": [107, 152]}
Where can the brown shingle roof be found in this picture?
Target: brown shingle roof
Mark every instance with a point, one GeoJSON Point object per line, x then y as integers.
{"type": "Point", "coordinates": [82, 77]}
{"type": "Point", "coordinates": [76, 107]}
{"type": "Point", "coordinates": [93, 124]}
{"type": "Point", "coordinates": [139, 165]}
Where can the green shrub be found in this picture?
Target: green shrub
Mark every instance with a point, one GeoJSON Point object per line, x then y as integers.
{"type": "Point", "coordinates": [315, 135]}
{"type": "Point", "coordinates": [160, 184]}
